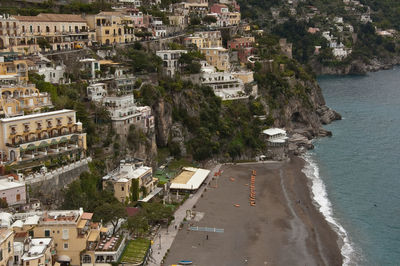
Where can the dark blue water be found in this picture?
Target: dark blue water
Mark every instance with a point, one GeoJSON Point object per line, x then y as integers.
{"type": "Point", "coordinates": [360, 166]}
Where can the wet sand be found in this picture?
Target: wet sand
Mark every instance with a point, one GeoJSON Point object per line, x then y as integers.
{"type": "Point", "coordinates": [284, 228]}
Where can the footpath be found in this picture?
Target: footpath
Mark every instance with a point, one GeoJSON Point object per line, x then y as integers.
{"type": "Point", "coordinates": [163, 240]}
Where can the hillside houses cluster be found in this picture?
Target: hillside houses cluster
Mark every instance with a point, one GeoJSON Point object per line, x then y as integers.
{"type": "Point", "coordinates": [35, 132]}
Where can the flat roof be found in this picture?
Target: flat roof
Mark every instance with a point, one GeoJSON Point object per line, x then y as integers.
{"type": "Point", "coordinates": [24, 117]}
{"type": "Point", "coordinates": [190, 178]}
{"type": "Point", "coordinates": [273, 131]}
{"type": "Point", "coordinates": [7, 184]}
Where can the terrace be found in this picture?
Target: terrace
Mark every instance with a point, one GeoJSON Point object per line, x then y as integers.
{"type": "Point", "coordinates": [136, 251]}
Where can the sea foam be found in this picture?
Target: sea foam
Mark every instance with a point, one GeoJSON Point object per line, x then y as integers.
{"type": "Point", "coordinates": [320, 199]}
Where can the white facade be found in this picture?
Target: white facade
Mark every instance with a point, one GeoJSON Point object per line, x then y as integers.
{"type": "Point", "coordinates": [120, 107]}
{"type": "Point", "coordinates": [53, 74]}
{"type": "Point", "coordinates": [170, 60]}
{"type": "Point", "coordinates": [13, 191]}
{"type": "Point", "coordinates": [96, 92]}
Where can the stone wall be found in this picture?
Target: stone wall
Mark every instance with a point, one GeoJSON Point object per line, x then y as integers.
{"type": "Point", "coordinates": [47, 187]}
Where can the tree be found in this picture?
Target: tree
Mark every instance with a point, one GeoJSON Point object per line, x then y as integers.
{"type": "Point", "coordinates": [135, 190]}
{"type": "Point", "coordinates": [44, 43]}
{"type": "Point", "coordinates": [110, 213]}
{"type": "Point", "coordinates": [157, 212]}
{"type": "Point", "coordinates": [137, 224]}
{"type": "Point", "coordinates": [209, 19]}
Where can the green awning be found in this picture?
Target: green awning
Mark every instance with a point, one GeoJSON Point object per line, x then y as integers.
{"type": "Point", "coordinates": [63, 140]}
{"type": "Point", "coordinates": [30, 147]}
{"type": "Point", "coordinates": [44, 144]}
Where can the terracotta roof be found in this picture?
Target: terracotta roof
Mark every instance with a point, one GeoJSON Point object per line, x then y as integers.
{"type": "Point", "coordinates": [45, 17]}
{"type": "Point", "coordinates": [87, 216]}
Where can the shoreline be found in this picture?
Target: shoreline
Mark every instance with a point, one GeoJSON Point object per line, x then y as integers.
{"type": "Point", "coordinates": [284, 228]}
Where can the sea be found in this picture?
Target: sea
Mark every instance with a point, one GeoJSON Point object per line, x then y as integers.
{"type": "Point", "coordinates": [355, 173]}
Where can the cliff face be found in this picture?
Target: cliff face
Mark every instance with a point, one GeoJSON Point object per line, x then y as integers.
{"type": "Point", "coordinates": [356, 67]}
{"type": "Point", "coordinates": [191, 119]}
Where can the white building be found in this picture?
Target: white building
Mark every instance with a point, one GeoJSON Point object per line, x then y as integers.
{"type": "Point", "coordinates": [170, 60]}
{"type": "Point", "coordinates": [90, 64]}
{"type": "Point", "coordinates": [96, 92]}
{"type": "Point", "coordinates": [53, 74]}
{"type": "Point", "coordinates": [12, 191]}
{"type": "Point", "coordinates": [275, 137]}
{"type": "Point", "coordinates": [124, 113]}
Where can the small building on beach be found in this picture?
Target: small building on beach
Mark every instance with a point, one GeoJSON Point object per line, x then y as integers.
{"type": "Point", "coordinates": [277, 143]}
{"type": "Point", "coordinates": [189, 179]}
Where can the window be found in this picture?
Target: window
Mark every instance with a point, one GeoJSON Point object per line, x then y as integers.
{"type": "Point", "coordinates": [47, 233]}
{"type": "Point", "coordinates": [31, 28]}
{"type": "Point", "coordinates": [18, 197]}
{"type": "Point", "coordinates": [65, 233]}
{"type": "Point", "coordinates": [38, 28]}
{"type": "Point", "coordinates": [27, 263]}
{"type": "Point", "coordinates": [65, 245]}
{"type": "Point", "coordinates": [9, 246]}
{"type": "Point", "coordinates": [31, 234]}
{"type": "Point", "coordinates": [122, 188]}
{"type": "Point", "coordinates": [107, 32]}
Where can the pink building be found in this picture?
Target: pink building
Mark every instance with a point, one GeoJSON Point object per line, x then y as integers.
{"type": "Point", "coordinates": [219, 9]}
{"type": "Point", "coordinates": [137, 18]}
{"type": "Point", "coordinates": [12, 191]}
{"type": "Point", "coordinates": [242, 42]}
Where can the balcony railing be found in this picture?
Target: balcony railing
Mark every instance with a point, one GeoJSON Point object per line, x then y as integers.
{"type": "Point", "coordinates": [23, 141]}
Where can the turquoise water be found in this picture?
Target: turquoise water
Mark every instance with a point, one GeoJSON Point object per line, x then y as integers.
{"type": "Point", "coordinates": [360, 166]}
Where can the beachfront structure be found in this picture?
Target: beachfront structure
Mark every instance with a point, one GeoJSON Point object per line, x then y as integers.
{"type": "Point", "coordinates": [19, 99]}
{"type": "Point", "coordinates": [275, 137]}
{"type": "Point", "coordinates": [24, 34]}
{"type": "Point", "coordinates": [189, 179]}
{"type": "Point", "coordinates": [217, 57]}
{"type": "Point", "coordinates": [12, 190]}
{"type": "Point", "coordinates": [122, 178]}
{"type": "Point", "coordinates": [204, 39]}
{"type": "Point", "coordinates": [39, 136]}
{"type": "Point", "coordinates": [124, 112]}
{"type": "Point", "coordinates": [170, 60]}
{"type": "Point", "coordinates": [70, 230]}
{"type": "Point", "coordinates": [6, 246]}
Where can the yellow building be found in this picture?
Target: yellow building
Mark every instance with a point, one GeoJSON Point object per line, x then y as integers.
{"type": "Point", "coordinates": [68, 229]}
{"type": "Point", "coordinates": [121, 180]}
{"type": "Point", "coordinates": [7, 246]}
{"type": "Point", "coordinates": [23, 34]}
{"type": "Point", "coordinates": [112, 27]}
{"type": "Point", "coordinates": [205, 39]}
{"type": "Point", "coordinates": [218, 57]}
{"type": "Point", "coordinates": [75, 238]}
{"type": "Point", "coordinates": [17, 100]}
{"type": "Point", "coordinates": [39, 136]}
{"type": "Point", "coordinates": [13, 72]}
{"type": "Point", "coordinates": [234, 18]}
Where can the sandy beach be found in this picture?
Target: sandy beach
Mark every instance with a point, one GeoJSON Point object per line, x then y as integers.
{"type": "Point", "coordinates": [284, 228]}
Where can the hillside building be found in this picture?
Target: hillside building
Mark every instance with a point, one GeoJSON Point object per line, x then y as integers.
{"type": "Point", "coordinates": [39, 136]}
